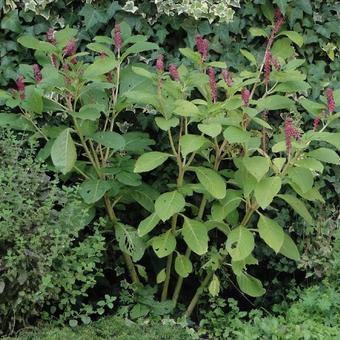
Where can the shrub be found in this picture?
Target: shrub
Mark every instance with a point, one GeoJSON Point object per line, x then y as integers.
{"type": "Point", "coordinates": [46, 267]}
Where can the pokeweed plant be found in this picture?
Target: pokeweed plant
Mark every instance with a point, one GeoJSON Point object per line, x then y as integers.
{"type": "Point", "coordinates": [234, 159]}
{"type": "Point", "coordinates": [72, 101]}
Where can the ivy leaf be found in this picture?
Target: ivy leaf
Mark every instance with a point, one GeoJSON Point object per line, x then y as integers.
{"type": "Point", "coordinates": [92, 191]}
{"type": "Point", "coordinates": [240, 243]}
{"type": "Point", "coordinates": [164, 244]}
{"type": "Point", "coordinates": [150, 161]}
{"type": "Point", "coordinates": [195, 235]}
{"type": "Point", "coordinates": [271, 232]}
{"type": "Point", "coordinates": [250, 285]}
{"type": "Point", "coordinates": [211, 181]}
{"type": "Point", "coordinates": [169, 204]}
{"type": "Point", "coordinates": [266, 190]}
{"type": "Point", "coordinates": [63, 152]}
{"type": "Point", "coordinates": [183, 265]}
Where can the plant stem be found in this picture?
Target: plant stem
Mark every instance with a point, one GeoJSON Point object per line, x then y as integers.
{"type": "Point", "coordinates": [127, 258]}
{"type": "Point", "coordinates": [208, 276]}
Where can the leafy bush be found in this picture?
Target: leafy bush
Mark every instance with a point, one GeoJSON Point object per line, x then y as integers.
{"type": "Point", "coordinates": [233, 163]}
{"type": "Point", "coordinates": [46, 267]}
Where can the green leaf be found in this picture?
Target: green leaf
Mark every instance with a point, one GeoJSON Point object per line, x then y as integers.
{"type": "Point", "coordinates": [63, 36]}
{"type": "Point", "coordinates": [238, 266]}
{"type": "Point", "coordinates": [142, 97]}
{"type": "Point", "coordinates": [161, 276]}
{"type": "Point", "coordinates": [129, 178]}
{"type": "Point", "coordinates": [302, 177]}
{"type": "Point", "coordinates": [249, 56]}
{"type": "Point", "coordinates": [129, 242]}
{"type": "Point", "coordinates": [266, 190]}
{"type": "Point", "coordinates": [139, 47]}
{"type": "Point", "coordinates": [293, 86]}
{"type": "Point", "coordinates": [271, 232]}
{"type": "Point", "coordinates": [63, 152]}
{"type": "Point", "coordinates": [150, 161]}
{"type": "Point", "coordinates": [191, 143]}
{"type": "Point", "coordinates": [325, 155]}
{"type": "Point", "coordinates": [89, 111]}
{"type": "Point", "coordinates": [312, 107]}
{"type": "Point", "coordinates": [164, 244]}
{"type": "Point", "coordinates": [195, 235]}
{"type": "Point", "coordinates": [166, 124]}
{"type": "Point", "coordinates": [274, 102]}
{"type": "Point", "coordinates": [210, 129]}
{"type": "Point", "coordinates": [240, 243]}
{"type": "Point", "coordinates": [295, 37]}
{"type": "Point", "coordinates": [258, 32]}
{"type": "Point", "coordinates": [148, 224]}
{"type": "Point", "coordinates": [329, 137]}
{"type": "Point", "coordinates": [100, 66]}
{"type": "Point", "coordinates": [311, 164]}
{"type": "Point", "coordinates": [33, 101]}
{"type": "Point", "coordinates": [99, 48]}
{"type": "Point", "coordinates": [30, 42]}
{"type": "Point", "coordinates": [190, 54]}
{"type": "Point", "coordinates": [112, 140]}
{"type": "Point", "coordinates": [185, 108]}
{"type": "Point", "coordinates": [211, 181]}
{"type": "Point", "coordinates": [236, 135]}
{"type": "Point", "coordinates": [143, 72]}
{"type": "Point", "coordinates": [169, 204]}
{"type": "Point", "coordinates": [93, 190]}
{"type": "Point", "coordinates": [282, 48]}
{"type": "Point", "coordinates": [298, 206]}
{"type": "Point", "coordinates": [220, 210]}
{"type": "Point", "coordinates": [15, 121]}
{"type": "Point", "coordinates": [183, 265]}
{"type": "Point", "coordinates": [214, 286]}
{"type": "Point", "coordinates": [145, 196]}
{"type": "Point", "coordinates": [250, 285]}
{"type": "Point", "coordinates": [289, 249]}
{"type": "Point", "coordinates": [257, 166]}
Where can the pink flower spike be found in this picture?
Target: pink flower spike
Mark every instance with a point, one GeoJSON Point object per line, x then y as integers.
{"type": "Point", "coordinates": [70, 48]}
{"type": "Point", "coordinates": [245, 97]}
{"type": "Point", "coordinates": [160, 64]}
{"type": "Point", "coordinates": [278, 21]}
{"type": "Point", "coordinates": [330, 100]}
{"type": "Point", "coordinates": [50, 36]}
{"type": "Point", "coordinates": [174, 72]}
{"type": "Point", "coordinates": [267, 67]}
{"type": "Point", "coordinates": [21, 86]}
{"type": "Point", "coordinates": [202, 47]}
{"type": "Point", "coordinates": [316, 122]}
{"type": "Point", "coordinates": [37, 73]}
{"type": "Point", "coordinates": [212, 81]}
{"type": "Point", "coordinates": [276, 64]}
{"type": "Point", "coordinates": [117, 37]}
{"type": "Point", "coordinates": [290, 131]}
{"type": "Point", "coordinates": [227, 78]}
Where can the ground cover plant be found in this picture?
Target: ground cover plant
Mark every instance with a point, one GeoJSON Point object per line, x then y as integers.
{"type": "Point", "coordinates": [194, 168]}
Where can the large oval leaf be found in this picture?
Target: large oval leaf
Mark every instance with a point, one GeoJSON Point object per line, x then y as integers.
{"type": "Point", "coordinates": [150, 161]}
{"type": "Point", "coordinates": [164, 244]}
{"type": "Point", "coordinates": [183, 265]}
{"type": "Point", "coordinates": [93, 190]}
{"type": "Point", "coordinates": [112, 140]}
{"type": "Point", "coordinates": [257, 166]}
{"type": "Point", "coordinates": [169, 204]}
{"type": "Point", "coordinates": [195, 235]}
{"type": "Point", "coordinates": [289, 249]}
{"type": "Point", "coordinates": [211, 181]}
{"type": "Point", "coordinates": [63, 152]}
{"type": "Point", "coordinates": [147, 224]}
{"type": "Point", "coordinates": [240, 243]}
{"type": "Point", "coordinates": [266, 190]}
{"type": "Point", "coordinates": [250, 285]}
{"type": "Point", "coordinates": [271, 232]}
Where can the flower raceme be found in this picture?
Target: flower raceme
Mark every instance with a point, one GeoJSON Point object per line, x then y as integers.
{"type": "Point", "coordinates": [174, 72]}
{"type": "Point", "coordinates": [290, 132]}
{"type": "Point", "coordinates": [21, 86]}
{"type": "Point", "coordinates": [117, 37]}
{"type": "Point", "coordinates": [212, 82]}
{"type": "Point", "coordinates": [227, 78]}
{"type": "Point", "coordinates": [160, 64]}
{"type": "Point", "coordinates": [330, 100]}
{"type": "Point", "coordinates": [245, 97]}
{"type": "Point", "coordinates": [202, 47]}
{"type": "Point", "coordinates": [267, 66]}
{"type": "Point", "coordinates": [37, 73]}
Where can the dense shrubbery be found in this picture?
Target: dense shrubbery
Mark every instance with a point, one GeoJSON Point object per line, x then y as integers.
{"type": "Point", "coordinates": [190, 159]}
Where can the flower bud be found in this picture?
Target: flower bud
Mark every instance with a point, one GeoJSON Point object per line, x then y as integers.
{"type": "Point", "coordinates": [117, 37]}
{"type": "Point", "coordinates": [50, 36]}
{"type": "Point", "coordinates": [267, 67]}
{"type": "Point", "coordinates": [160, 64]}
{"type": "Point", "coordinates": [245, 97]}
{"type": "Point", "coordinates": [290, 132]}
{"type": "Point", "coordinates": [202, 47]}
{"type": "Point", "coordinates": [227, 78]}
